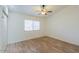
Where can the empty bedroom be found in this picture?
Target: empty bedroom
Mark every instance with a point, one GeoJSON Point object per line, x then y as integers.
{"type": "Point", "coordinates": [39, 28]}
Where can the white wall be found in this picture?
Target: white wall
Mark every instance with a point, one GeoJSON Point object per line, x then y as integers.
{"type": "Point", "coordinates": [16, 28]}
{"type": "Point", "coordinates": [64, 25]}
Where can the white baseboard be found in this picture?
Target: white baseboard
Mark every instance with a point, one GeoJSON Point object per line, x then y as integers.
{"type": "Point", "coordinates": [65, 40]}
{"type": "Point", "coordinates": [29, 38]}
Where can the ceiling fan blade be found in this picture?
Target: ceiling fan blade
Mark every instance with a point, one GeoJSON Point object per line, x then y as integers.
{"type": "Point", "coordinates": [49, 11]}
{"type": "Point", "coordinates": [46, 13]}
{"type": "Point", "coordinates": [39, 13]}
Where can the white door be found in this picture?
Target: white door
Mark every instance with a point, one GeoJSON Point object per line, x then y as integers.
{"type": "Point", "coordinates": [3, 31]}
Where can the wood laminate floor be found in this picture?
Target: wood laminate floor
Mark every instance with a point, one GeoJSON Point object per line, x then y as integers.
{"type": "Point", "coordinates": [42, 45]}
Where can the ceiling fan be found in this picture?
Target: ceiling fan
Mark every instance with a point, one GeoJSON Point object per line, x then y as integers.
{"type": "Point", "coordinates": [44, 10]}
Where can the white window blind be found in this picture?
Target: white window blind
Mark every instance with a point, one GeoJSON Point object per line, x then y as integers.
{"type": "Point", "coordinates": [30, 25]}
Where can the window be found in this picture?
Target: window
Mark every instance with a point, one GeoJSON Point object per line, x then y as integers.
{"type": "Point", "coordinates": [36, 25]}
{"type": "Point", "coordinates": [30, 25]}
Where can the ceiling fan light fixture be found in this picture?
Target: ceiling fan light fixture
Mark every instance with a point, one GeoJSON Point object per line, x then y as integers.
{"type": "Point", "coordinates": [43, 13]}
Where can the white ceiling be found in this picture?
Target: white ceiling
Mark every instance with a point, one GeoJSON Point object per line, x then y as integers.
{"type": "Point", "coordinates": [31, 9]}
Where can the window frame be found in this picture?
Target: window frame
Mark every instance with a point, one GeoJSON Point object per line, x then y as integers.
{"type": "Point", "coordinates": [33, 26]}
